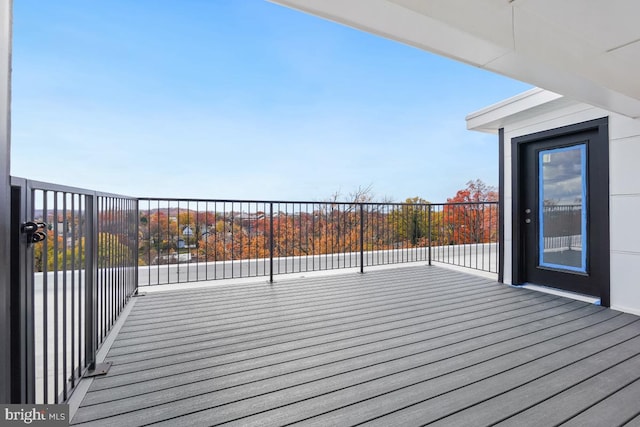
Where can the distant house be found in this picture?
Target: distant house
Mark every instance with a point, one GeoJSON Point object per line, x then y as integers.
{"type": "Point", "coordinates": [172, 259]}
{"type": "Point", "coordinates": [188, 233]}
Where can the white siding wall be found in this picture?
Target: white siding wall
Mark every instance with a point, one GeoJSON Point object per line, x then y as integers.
{"type": "Point", "coordinates": [624, 188]}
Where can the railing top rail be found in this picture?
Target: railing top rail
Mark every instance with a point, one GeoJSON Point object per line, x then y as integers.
{"type": "Point", "coordinates": [180, 199]}
{"type": "Point", "coordinates": [307, 202]}
{"type": "Point", "coordinates": [47, 186]}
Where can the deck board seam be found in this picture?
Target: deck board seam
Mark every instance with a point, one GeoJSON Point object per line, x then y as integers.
{"type": "Point", "coordinates": [330, 304]}
{"type": "Point", "coordinates": [542, 376]}
{"type": "Point", "coordinates": [422, 331]}
{"type": "Point", "coordinates": [442, 393]}
{"type": "Point", "coordinates": [391, 391]}
{"type": "Point", "coordinates": [407, 355]}
{"type": "Point", "coordinates": [372, 288]}
{"type": "Point", "coordinates": [461, 287]}
{"type": "Point", "coordinates": [372, 312]}
{"type": "Point", "coordinates": [551, 396]}
{"type": "Point", "coordinates": [296, 284]}
{"type": "Point", "coordinates": [293, 340]}
{"type": "Point", "coordinates": [331, 311]}
{"type": "Point", "coordinates": [342, 315]}
{"type": "Point", "coordinates": [351, 347]}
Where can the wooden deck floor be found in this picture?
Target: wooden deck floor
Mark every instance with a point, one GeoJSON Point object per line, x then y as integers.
{"type": "Point", "coordinates": [400, 347]}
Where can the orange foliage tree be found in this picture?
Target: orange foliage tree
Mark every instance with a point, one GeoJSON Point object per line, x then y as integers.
{"type": "Point", "coordinates": [468, 218]}
{"type": "Point", "coordinates": [302, 229]}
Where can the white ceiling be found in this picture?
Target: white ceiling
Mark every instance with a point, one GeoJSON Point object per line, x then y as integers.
{"type": "Point", "coordinates": [587, 50]}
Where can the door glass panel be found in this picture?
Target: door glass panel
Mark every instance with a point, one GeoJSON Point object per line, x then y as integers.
{"type": "Point", "coordinates": [562, 209]}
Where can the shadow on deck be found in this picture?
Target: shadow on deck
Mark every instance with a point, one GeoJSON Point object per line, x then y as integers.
{"type": "Point", "coordinates": [406, 346]}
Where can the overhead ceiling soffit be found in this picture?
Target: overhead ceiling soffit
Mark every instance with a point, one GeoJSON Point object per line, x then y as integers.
{"type": "Point", "coordinates": [395, 20]}
{"type": "Point", "coordinates": [518, 39]}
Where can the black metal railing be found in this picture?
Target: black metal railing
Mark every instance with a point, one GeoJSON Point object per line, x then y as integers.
{"type": "Point", "coordinates": [78, 256]}
{"type": "Point", "coordinates": [184, 240]}
{"type": "Point", "coordinates": [465, 234]}
{"type": "Point", "coordinates": [71, 284]}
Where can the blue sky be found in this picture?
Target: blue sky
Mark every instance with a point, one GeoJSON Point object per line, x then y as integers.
{"type": "Point", "coordinates": [239, 99]}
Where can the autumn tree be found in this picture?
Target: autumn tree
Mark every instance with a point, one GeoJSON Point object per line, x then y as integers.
{"type": "Point", "coordinates": [410, 221]}
{"type": "Point", "coordinates": [112, 251]}
{"type": "Point", "coordinates": [158, 234]}
{"type": "Point", "coordinates": [71, 256]}
{"type": "Point", "coordinates": [229, 239]}
{"type": "Point", "coordinates": [339, 220]}
{"type": "Point", "coordinates": [468, 217]}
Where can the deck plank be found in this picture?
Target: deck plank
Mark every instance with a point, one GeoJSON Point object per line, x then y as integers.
{"type": "Point", "coordinates": [391, 347]}
{"type": "Point", "coordinates": [439, 324]}
{"type": "Point", "coordinates": [616, 409]}
{"type": "Point", "coordinates": [575, 393]}
{"type": "Point", "coordinates": [375, 352]}
{"type": "Point", "coordinates": [288, 322]}
{"type": "Point", "coordinates": [242, 385]}
{"type": "Point", "coordinates": [379, 329]}
{"type": "Point", "coordinates": [425, 395]}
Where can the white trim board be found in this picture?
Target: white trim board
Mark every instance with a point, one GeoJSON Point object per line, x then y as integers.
{"type": "Point", "coordinates": [566, 294]}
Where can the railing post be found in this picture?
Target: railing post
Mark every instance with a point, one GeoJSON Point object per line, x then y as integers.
{"type": "Point", "coordinates": [429, 230]}
{"type": "Point", "coordinates": [136, 253]}
{"type": "Point", "coordinates": [271, 242]}
{"type": "Point", "coordinates": [22, 340]}
{"type": "Point", "coordinates": [361, 237]}
{"type": "Point", "coordinates": [91, 280]}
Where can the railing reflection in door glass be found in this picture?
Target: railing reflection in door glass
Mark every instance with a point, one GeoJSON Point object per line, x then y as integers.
{"type": "Point", "coordinates": [184, 240]}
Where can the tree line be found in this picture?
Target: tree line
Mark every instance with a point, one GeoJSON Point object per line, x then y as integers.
{"type": "Point", "coordinates": [297, 229]}
{"type": "Point", "coordinates": [248, 231]}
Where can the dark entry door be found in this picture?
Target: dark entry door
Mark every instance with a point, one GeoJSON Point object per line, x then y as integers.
{"type": "Point", "coordinates": [562, 209]}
